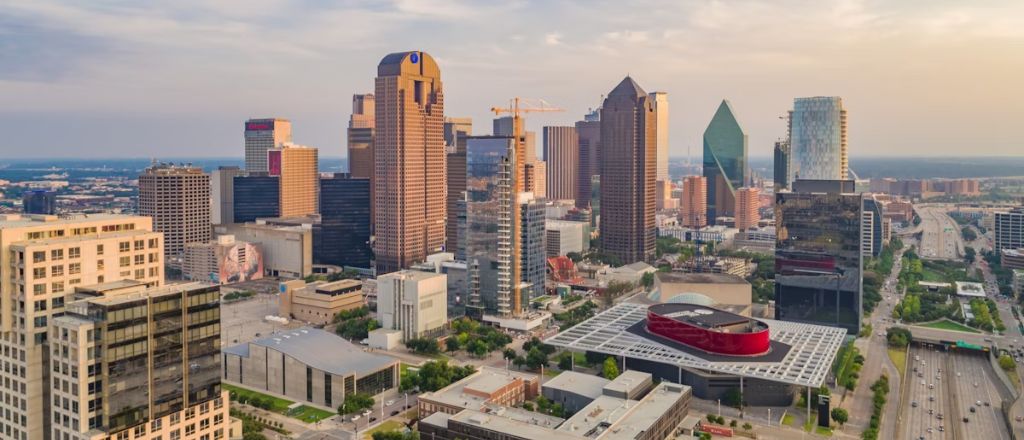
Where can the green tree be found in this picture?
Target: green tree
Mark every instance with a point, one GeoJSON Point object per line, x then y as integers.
{"type": "Point", "coordinates": [396, 435]}
{"type": "Point", "coordinates": [840, 416]}
{"type": "Point", "coordinates": [610, 370]}
{"type": "Point", "coordinates": [733, 397]}
{"type": "Point", "coordinates": [747, 426]}
{"type": "Point", "coordinates": [451, 344]}
{"type": "Point", "coordinates": [565, 361]}
{"type": "Point", "coordinates": [508, 354]}
{"type": "Point", "coordinates": [647, 280]}
{"type": "Point", "coordinates": [356, 402]}
{"type": "Point", "coordinates": [536, 358]}
{"type": "Point", "coordinates": [1006, 362]}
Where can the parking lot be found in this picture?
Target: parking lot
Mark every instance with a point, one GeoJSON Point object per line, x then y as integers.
{"type": "Point", "coordinates": [242, 321]}
{"type": "Point", "coordinates": [944, 389]}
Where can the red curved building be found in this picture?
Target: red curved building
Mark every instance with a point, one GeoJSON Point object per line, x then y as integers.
{"type": "Point", "coordinates": [709, 329]}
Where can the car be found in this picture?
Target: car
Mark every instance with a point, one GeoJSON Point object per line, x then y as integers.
{"type": "Point", "coordinates": [931, 386]}
{"type": "Point", "coordinates": [913, 404]}
{"type": "Point", "coordinates": [931, 411]}
{"type": "Point", "coordinates": [973, 410]}
{"type": "Point", "coordinates": [931, 398]}
{"type": "Point", "coordinates": [922, 383]}
{"type": "Point", "coordinates": [356, 417]}
{"type": "Point", "coordinates": [939, 416]}
{"type": "Point", "coordinates": [942, 429]}
{"type": "Point", "coordinates": [988, 404]}
{"type": "Point", "coordinates": [975, 384]}
{"type": "Point", "coordinates": [373, 419]}
{"type": "Point", "coordinates": [978, 403]}
{"type": "Point", "coordinates": [394, 413]}
{"type": "Point", "coordinates": [930, 430]}
{"type": "Point", "coordinates": [957, 374]}
{"type": "Point", "coordinates": [965, 420]}
{"type": "Point", "coordinates": [389, 403]}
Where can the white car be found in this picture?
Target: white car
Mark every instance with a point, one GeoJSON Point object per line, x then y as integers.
{"type": "Point", "coordinates": [389, 403]}
{"type": "Point", "coordinates": [356, 417]}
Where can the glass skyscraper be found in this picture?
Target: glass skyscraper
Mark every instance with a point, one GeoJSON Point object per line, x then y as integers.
{"type": "Point", "coordinates": [818, 258]}
{"type": "Point", "coordinates": [488, 171]}
{"type": "Point", "coordinates": [725, 162]}
{"type": "Point", "coordinates": [345, 221]}
{"type": "Point", "coordinates": [817, 130]}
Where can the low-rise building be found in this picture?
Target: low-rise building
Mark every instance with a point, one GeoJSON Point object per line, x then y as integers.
{"type": "Point", "coordinates": [728, 291]}
{"type": "Point", "coordinates": [565, 236]}
{"type": "Point", "coordinates": [413, 302]}
{"type": "Point", "coordinates": [630, 273]}
{"type": "Point", "coordinates": [318, 302]}
{"type": "Point", "coordinates": [222, 261]}
{"type": "Point", "coordinates": [964, 288]}
{"type": "Point", "coordinates": [287, 250]}
{"type": "Point", "coordinates": [1018, 281]}
{"type": "Point", "coordinates": [309, 365]}
{"type": "Point", "coordinates": [1012, 258]}
{"type": "Point", "coordinates": [486, 387]}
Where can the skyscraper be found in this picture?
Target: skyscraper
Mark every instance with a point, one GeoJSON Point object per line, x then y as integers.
{"type": "Point", "coordinates": [177, 197]}
{"type": "Point", "coordinates": [455, 128]}
{"type": "Point", "coordinates": [409, 153]}
{"type": "Point", "coordinates": [297, 167]}
{"type": "Point", "coordinates": [489, 201]}
{"type": "Point", "coordinates": [747, 204]}
{"type": "Point", "coordinates": [533, 246]}
{"type": "Point", "coordinates": [818, 258]}
{"type": "Point", "coordinates": [360, 137]}
{"type": "Point", "coordinates": [561, 154]}
{"type": "Point", "coordinates": [694, 209]}
{"type": "Point", "coordinates": [532, 172]}
{"type": "Point", "coordinates": [455, 205]}
{"type": "Point", "coordinates": [53, 257]}
{"type": "Point", "coordinates": [1009, 229]}
{"type": "Point", "coordinates": [628, 171]}
{"type": "Point", "coordinates": [817, 130]}
{"type": "Point", "coordinates": [725, 161]}
{"type": "Point", "coordinates": [782, 166]}
{"type": "Point", "coordinates": [661, 132]}
{"type": "Point", "coordinates": [262, 135]}
{"type": "Point", "coordinates": [39, 202]}
{"type": "Point", "coordinates": [589, 132]}
{"type": "Point", "coordinates": [345, 221]}
{"type": "Point", "coordinates": [257, 195]}
{"type": "Point", "coordinates": [222, 194]}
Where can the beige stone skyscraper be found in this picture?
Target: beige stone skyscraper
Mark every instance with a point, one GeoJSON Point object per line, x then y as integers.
{"type": "Point", "coordinates": [561, 154]}
{"type": "Point", "coordinates": [693, 203]}
{"type": "Point", "coordinates": [299, 178]}
{"type": "Point", "coordinates": [53, 256]}
{"type": "Point", "coordinates": [661, 132]}
{"type": "Point", "coordinates": [747, 203]}
{"type": "Point", "coordinates": [262, 135]}
{"type": "Point", "coordinates": [360, 137]}
{"type": "Point", "coordinates": [409, 155]}
{"type": "Point", "coordinates": [177, 197]}
{"type": "Point", "coordinates": [628, 171]}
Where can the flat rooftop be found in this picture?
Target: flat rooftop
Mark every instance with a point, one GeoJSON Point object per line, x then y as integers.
{"type": "Point", "coordinates": [806, 363]}
{"type": "Point", "coordinates": [486, 380]}
{"type": "Point", "coordinates": [699, 278]}
{"type": "Point", "coordinates": [321, 350]}
{"type": "Point", "coordinates": [628, 380]}
{"type": "Point", "coordinates": [578, 383]}
{"type": "Point", "coordinates": [512, 427]}
{"type": "Point", "coordinates": [23, 220]}
{"type": "Point", "coordinates": [701, 316]}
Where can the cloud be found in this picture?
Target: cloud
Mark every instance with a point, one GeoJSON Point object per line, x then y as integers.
{"type": "Point", "coordinates": [553, 39]}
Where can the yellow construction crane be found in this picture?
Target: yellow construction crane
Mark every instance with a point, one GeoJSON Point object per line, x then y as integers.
{"type": "Point", "coordinates": [516, 107]}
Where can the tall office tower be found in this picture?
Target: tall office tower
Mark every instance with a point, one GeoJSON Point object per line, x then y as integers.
{"type": "Point", "coordinates": [747, 204]}
{"type": "Point", "coordinates": [872, 225]}
{"type": "Point", "coordinates": [817, 137]}
{"type": "Point", "coordinates": [158, 375]}
{"type": "Point", "coordinates": [663, 196]}
{"type": "Point", "coordinates": [345, 221]}
{"type": "Point", "coordinates": [661, 132]}
{"type": "Point", "coordinates": [488, 212]}
{"type": "Point", "coordinates": [296, 167]}
{"type": "Point", "coordinates": [628, 168]}
{"type": "Point", "coordinates": [725, 161]}
{"type": "Point", "coordinates": [262, 135]}
{"type": "Point", "coordinates": [1009, 229]}
{"type": "Point", "coordinates": [256, 195]}
{"type": "Point", "coordinates": [589, 164]}
{"type": "Point", "coordinates": [532, 172]}
{"type": "Point", "coordinates": [39, 202]}
{"type": "Point", "coordinates": [561, 154]}
{"type": "Point", "coordinates": [52, 256]}
{"type": "Point", "coordinates": [409, 152]}
{"type": "Point", "coordinates": [455, 205]}
{"type": "Point", "coordinates": [818, 258]}
{"type": "Point", "coordinates": [178, 200]}
{"type": "Point", "coordinates": [503, 126]}
{"type": "Point", "coordinates": [781, 162]}
{"type": "Point", "coordinates": [533, 246]}
{"type": "Point", "coordinates": [360, 137]}
{"type": "Point", "coordinates": [222, 194]}
{"type": "Point", "coordinates": [694, 202]}
{"type": "Point", "coordinates": [454, 128]}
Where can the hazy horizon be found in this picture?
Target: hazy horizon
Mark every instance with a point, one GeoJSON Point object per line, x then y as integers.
{"type": "Point", "coordinates": [918, 78]}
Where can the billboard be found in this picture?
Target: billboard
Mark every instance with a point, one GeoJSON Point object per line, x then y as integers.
{"type": "Point", "coordinates": [259, 125]}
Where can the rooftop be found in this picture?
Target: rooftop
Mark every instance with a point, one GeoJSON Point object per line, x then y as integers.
{"type": "Point", "coordinates": [813, 347]}
{"type": "Point", "coordinates": [486, 380]}
{"type": "Point", "coordinates": [321, 350]}
{"type": "Point", "coordinates": [578, 383]}
{"type": "Point", "coordinates": [703, 316]}
{"type": "Point", "coordinates": [699, 278]}
{"type": "Point", "coordinates": [627, 381]}
{"type": "Point", "coordinates": [22, 220]}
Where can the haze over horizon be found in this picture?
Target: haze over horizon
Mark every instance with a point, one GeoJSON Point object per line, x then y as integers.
{"type": "Point", "coordinates": [179, 78]}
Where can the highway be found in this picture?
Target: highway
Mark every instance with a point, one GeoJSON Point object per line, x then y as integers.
{"type": "Point", "coordinates": [940, 234]}
{"type": "Point", "coordinates": [927, 396]}
{"type": "Point", "coordinates": [976, 384]}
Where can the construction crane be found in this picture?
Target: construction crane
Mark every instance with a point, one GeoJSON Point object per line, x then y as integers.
{"type": "Point", "coordinates": [516, 107]}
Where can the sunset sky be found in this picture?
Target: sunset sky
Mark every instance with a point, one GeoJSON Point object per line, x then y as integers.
{"type": "Point", "coordinates": [178, 78]}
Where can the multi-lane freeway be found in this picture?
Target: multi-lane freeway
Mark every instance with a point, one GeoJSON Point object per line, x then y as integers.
{"type": "Point", "coordinates": [940, 234]}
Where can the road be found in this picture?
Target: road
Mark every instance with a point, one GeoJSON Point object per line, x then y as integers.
{"type": "Point", "coordinates": [940, 234]}
{"type": "Point", "coordinates": [976, 384]}
{"type": "Point", "coordinates": [926, 402]}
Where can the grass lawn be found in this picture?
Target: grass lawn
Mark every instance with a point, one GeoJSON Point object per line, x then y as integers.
{"type": "Point", "coordinates": [946, 324]}
{"type": "Point", "coordinates": [580, 359]}
{"type": "Point", "coordinates": [388, 425]}
{"type": "Point", "coordinates": [309, 414]}
{"type": "Point", "coordinates": [788, 420]}
{"type": "Point", "coordinates": [899, 357]}
{"type": "Point", "coordinates": [403, 368]}
{"type": "Point", "coordinates": [278, 405]}
{"type": "Point", "coordinates": [827, 432]}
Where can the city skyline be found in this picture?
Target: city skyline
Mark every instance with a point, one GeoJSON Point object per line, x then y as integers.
{"type": "Point", "coordinates": [109, 86]}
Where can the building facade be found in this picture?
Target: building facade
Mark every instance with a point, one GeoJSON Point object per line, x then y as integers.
{"type": "Point", "coordinates": [725, 162]}
{"type": "Point", "coordinates": [222, 261]}
{"type": "Point", "coordinates": [564, 237]}
{"type": "Point", "coordinates": [694, 203]}
{"type": "Point", "coordinates": [255, 196]}
{"type": "Point", "coordinates": [222, 194]}
{"type": "Point", "coordinates": [360, 136]}
{"type": "Point", "coordinates": [660, 100]}
{"type": "Point", "coordinates": [297, 169]}
{"type": "Point", "coordinates": [287, 250]}
{"type": "Point", "coordinates": [589, 164]}
{"type": "Point", "coordinates": [159, 376]}
{"type": "Point", "coordinates": [781, 173]}
{"type": "Point", "coordinates": [1009, 229]}
{"type": "Point", "coordinates": [318, 302]}
{"type": "Point", "coordinates": [409, 158]}
{"type": "Point", "coordinates": [413, 302]}
{"type": "Point", "coordinates": [39, 202]}
{"type": "Point", "coordinates": [817, 138]}
{"type": "Point", "coordinates": [532, 250]}
{"type": "Point", "coordinates": [628, 171]}
{"type": "Point", "coordinates": [262, 135]}
{"type": "Point", "coordinates": [747, 208]}
{"type": "Point", "coordinates": [345, 221]}
{"type": "Point", "coordinates": [178, 200]}
{"type": "Point", "coordinates": [561, 154]}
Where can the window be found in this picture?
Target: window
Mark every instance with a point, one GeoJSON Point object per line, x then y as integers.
{"type": "Point", "coordinates": [190, 430]}
{"type": "Point", "coordinates": [75, 252]}
{"type": "Point", "coordinates": [57, 254]}
{"type": "Point", "coordinates": [99, 249]}
{"type": "Point", "coordinates": [126, 261]}
{"type": "Point", "coordinates": [153, 243]}
{"type": "Point", "coordinates": [57, 287]}
{"type": "Point", "coordinates": [124, 246]}
{"type": "Point", "coordinates": [155, 425]}
{"type": "Point", "coordinates": [39, 289]}
{"type": "Point", "coordinates": [140, 245]}
{"type": "Point", "coordinates": [140, 274]}
{"type": "Point", "coordinates": [57, 271]}
{"type": "Point", "coordinates": [39, 272]}
{"type": "Point", "coordinates": [140, 259]}
{"type": "Point", "coordinates": [74, 268]}
{"type": "Point", "coordinates": [99, 265]}
{"type": "Point", "coordinates": [38, 257]}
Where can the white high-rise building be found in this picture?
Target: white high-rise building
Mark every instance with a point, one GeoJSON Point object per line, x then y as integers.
{"type": "Point", "coordinates": [817, 130]}
{"type": "Point", "coordinates": [414, 302]}
{"type": "Point", "coordinates": [661, 133]}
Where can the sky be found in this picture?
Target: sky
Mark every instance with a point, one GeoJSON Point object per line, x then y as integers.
{"type": "Point", "coordinates": [177, 78]}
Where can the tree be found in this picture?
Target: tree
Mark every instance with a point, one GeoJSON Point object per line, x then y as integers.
{"type": "Point", "coordinates": [519, 361]}
{"type": "Point", "coordinates": [610, 370]}
{"type": "Point", "coordinates": [355, 402]}
{"type": "Point", "coordinates": [747, 426]}
{"type": "Point", "coordinates": [508, 354]}
{"type": "Point", "coordinates": [647, 280]}
{"type": "Point", "coordinates": [396, 435]}
{"type": "Point", "coordinates": [576, 257]}
{"type": "Point", "coordinates": [732, 397]}
{"type": "Point", "coordinates": [565, 361]}
{"type": "Point", "coordinates": [451, 344]}
{"type": "Point", "coordinates": [898, 337]}
{"type": "Point", "coordinates": [840, 416]}
{"type": "Point", "coordinates": [1006, 362]}
{"type": "Point", "coordinates": [536, 359]}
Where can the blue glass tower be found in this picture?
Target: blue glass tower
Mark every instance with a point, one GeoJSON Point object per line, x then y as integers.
{"type": "Point", "coordinates": [725, 162]}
